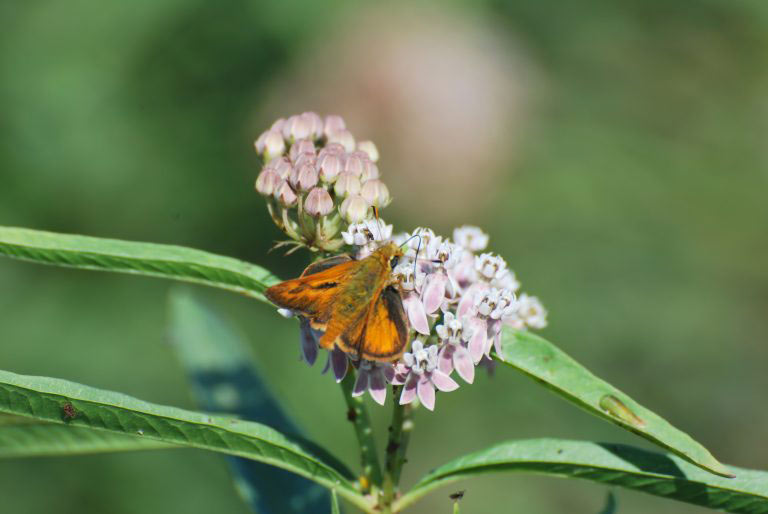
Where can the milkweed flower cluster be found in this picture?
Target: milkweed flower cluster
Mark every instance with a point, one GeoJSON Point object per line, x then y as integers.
{"type": "Point", "coordinates": [318, 179]}
{"type": "Point", "coordinates": [457, 296]}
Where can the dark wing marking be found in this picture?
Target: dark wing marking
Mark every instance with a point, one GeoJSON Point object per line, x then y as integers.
{"type": "Point", "coordinates": [324, 264]}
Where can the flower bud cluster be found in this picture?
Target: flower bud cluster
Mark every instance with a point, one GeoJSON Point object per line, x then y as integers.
{"type": "Point", "coordinates": [457, 302]}
{"type": "Point", "coordinates": [318, 180]}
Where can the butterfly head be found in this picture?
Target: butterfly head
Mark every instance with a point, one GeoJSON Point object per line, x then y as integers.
{"type": "Point", "coordinates": [389, 254]}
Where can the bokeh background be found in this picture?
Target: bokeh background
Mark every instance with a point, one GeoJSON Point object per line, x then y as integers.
{"type": "Point", "coordinates": [614, 150]}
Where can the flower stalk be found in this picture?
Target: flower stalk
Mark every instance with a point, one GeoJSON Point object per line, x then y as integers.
{"type": "Point", "coordinates": [357, 414]}
{"type": "Point", "coordinates": [397, 445]}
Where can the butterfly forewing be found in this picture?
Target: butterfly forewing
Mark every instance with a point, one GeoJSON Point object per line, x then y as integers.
{"type": "Point", "coordinates": [314, 294]}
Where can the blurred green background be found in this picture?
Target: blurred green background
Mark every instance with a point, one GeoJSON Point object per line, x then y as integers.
{"type": "Point", "coordinates": [614, 150]}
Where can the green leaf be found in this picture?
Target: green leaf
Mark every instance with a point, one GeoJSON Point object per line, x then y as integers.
{"type": "Point", "coordinates": [545, 363]}
{"type": "Point", "coordinates": [31, 438]}
{"type": "Point", "coordinates": [60, 401]}
{"type": "Point", "coordinates": [224, 378]}
{"type": "Point", "coordinates": [665, 475]}
{"type": "Point", "coordinates": [156, 260]}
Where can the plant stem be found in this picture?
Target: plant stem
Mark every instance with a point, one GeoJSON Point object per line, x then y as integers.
{"type": "Point", "coordinates": [397, 445]}
{"type": "Point", "coordinates": [358, 415]}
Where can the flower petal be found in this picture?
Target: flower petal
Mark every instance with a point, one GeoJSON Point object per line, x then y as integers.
{"type": "Point", "coordinates": [443, 381]}
{"type": "Point", "coordinates": [467, 302]}
{"type": "Point", "coordinates": [497, 343]}
{"type": "Point", "coordinates": [378, 387]}
{"type": "Point", "coordinates": [338, 363]}
{"type": "Point", "coordinates": [465, 365]}
{"type": "Point", "coordinates": [445, 359]}
{"type": "Point", "coordinates": [416, 314]}
{"type": "Point", "coordinates": [426, 392]}
{"type": "Point", "coordinates": [434, 291]}
{"type": "Point", "coordinates": [389, 373]}
{"type": "Point", "coordinates": [308, 342]}
{"type": "Point", "coordinates": [409, 391]}
{"type": "Point", "coordinates": [478, 339]}
{"type": "Point", "coordinates": [361, 384]}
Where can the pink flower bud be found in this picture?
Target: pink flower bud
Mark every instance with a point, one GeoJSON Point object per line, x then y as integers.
{"type": "Point", "coordinates": [333, 123]}
{"type": "Point", "coordinates": [259, 143]}
{"type": "Point", "coordinates": [344, 138]}
{"type": "Point", "coordinates": [315, 123]}
{"type": "Point", "coordinates": [304, 158]}
{"type": "Point", "coordinates": [267, 182]}
{"type": "Point", "coordinates": [346, 184]}
{"type": "Point", "coordinates": [304, 177]}
{"type": "Point", "coordinates": [354, 209]}
{"type": "Point", "coordinates": [370, 150]}
{"type": "Point", "coordinates": [354, 164]}
{"type": "Point", "coordinates": [370, 171]}
{"type": "Point", "coordinates": [270, 145]}
{"type": "Point", "coordinates": [318, 202]}
{"type": "Point", "coordinates": [277, 126]}
{"type": "Point", "coordinates": [301, 146]}
{"type": "Point", "coordinates": [329, 166]}
{"type": "Point", "coordinates": [281, 166]}
{"type": "Point", "coordinates": [285, 195]}
{"type": "Point", "coordinates": [333, 148]}
{"type": "Point", "coordinates": [296, 127]}
{"type": "Point", "coordinates": [375, 193]}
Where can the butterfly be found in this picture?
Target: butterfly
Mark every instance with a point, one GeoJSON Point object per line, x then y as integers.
{"type": "Point", "coordinates": [355, 303]}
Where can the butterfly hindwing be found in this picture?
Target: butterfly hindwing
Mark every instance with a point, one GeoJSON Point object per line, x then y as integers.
{"type": "Point", "coordinates": [383, 335]}
{"type": "Point", "coordinates": [386, 332]}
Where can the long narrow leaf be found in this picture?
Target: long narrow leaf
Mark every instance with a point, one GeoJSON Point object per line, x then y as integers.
{"type": "Point", "coordinates": [224, 379]}
{"type": "Point", "coordinates": [156, 260]}
{"type": "Point", "coordinates": [36, 439]}
{"type": "Point", "coordinates": [60, 401]}
{"type": "Point", "coordinates": [551, 367]}
{"type": "Point", "coordinates": [665, 475]}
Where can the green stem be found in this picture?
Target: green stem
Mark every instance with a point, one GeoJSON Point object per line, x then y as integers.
{"type": "Point", "coordinates": [397, 445]}
{"type": "Point", "coordinates": [361, 422]}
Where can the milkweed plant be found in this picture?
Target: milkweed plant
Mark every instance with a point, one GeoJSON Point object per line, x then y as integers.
{"type": "Point", "coordinates": [466, 312]}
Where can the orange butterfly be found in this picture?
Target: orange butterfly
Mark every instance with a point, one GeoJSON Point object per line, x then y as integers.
{"type": "Point", "coordinates": [356, 303]}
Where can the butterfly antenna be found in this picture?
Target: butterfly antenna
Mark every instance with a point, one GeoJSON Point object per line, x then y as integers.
{"type": "Point", "coordinates": [418, 249]}
{"type": "Point", "coordinates": [378, 225]}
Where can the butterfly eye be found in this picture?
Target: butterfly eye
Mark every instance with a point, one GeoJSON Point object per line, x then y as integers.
{"type": "Point", "coordinates": [393, 261]}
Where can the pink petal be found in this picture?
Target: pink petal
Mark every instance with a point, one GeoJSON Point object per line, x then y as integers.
{"type": "Point", "coordinates": [389, 373]}
{"type": "Point", "coordinates": [497, 344]}
{"type": "Point", "coordinates": [494, 336]}
{"type": "Point", "coordinates": [478, 339]}
{"type": "Point", "coordinates": [338, 363]}
{"type": "Point", "coordinates": [467, 302]}
{"type": "Point", "coordinates": [361, 384]}
{"type": "Point", "coordinates": [434, 292]}
{"type": "Point", "coordinates": [445, 359]}
{"type": "Point", "coordinates": [416, 315]}
{"type": "Point", "coordinates": [327, 364]}
{"type": "Point", "coordinates": [378, 387]}
{"type": "Point", "coordinates": [426, 392]}
{"type": "Point", "coordinates": [308, 342]}
{"type": "Point", "coordinates": [443, 381]}
{"type": "Point", "coordinates": [409, 391]}
{"type": "Point", "coordinates": [465, 366]}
